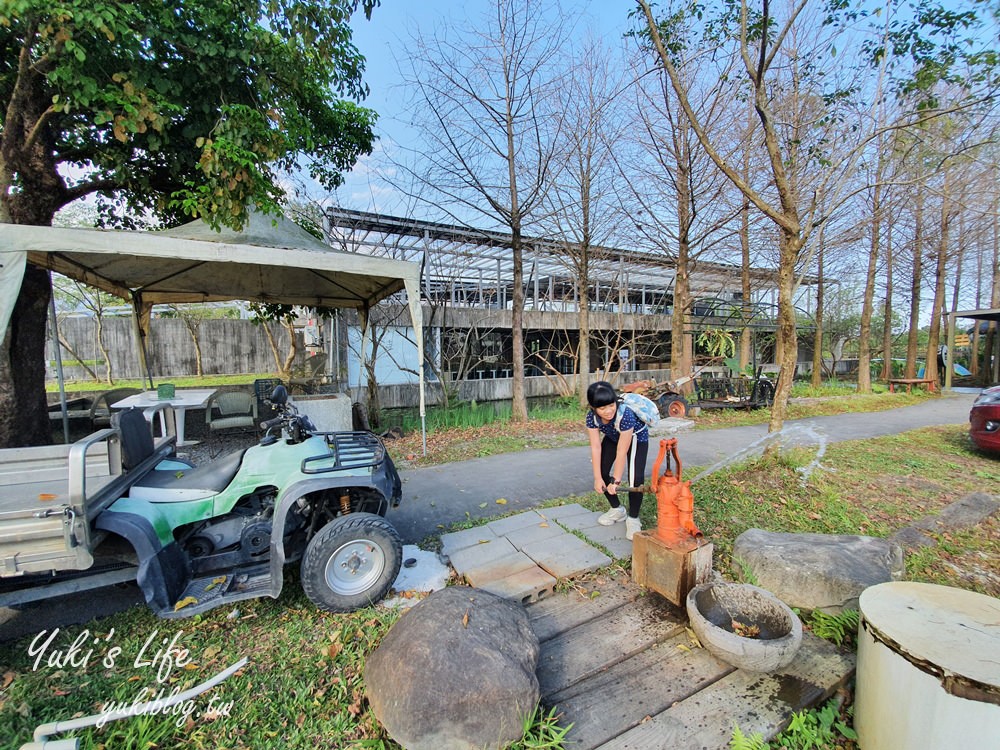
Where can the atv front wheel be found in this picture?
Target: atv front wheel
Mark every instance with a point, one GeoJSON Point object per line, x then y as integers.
{"type": "Point", "coordinates": [351, 562]}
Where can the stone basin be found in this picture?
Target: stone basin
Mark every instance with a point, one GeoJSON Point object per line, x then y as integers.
{"type": "Point", "coordinates": [744, 625]}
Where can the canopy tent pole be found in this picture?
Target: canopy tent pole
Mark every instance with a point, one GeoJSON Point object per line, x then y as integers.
{"type": "Point", "coordinates": [140, 323]}
{"type": "Point", "coordinates": [363, 312]}
{"type": "Point", "coordinates": [59, 367]}
{"type": "Point", "coordinates": [417, 318]}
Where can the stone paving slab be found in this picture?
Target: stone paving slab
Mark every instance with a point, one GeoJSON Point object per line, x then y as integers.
{"type": "Point", "coordinates": [566, 556]}
{"type": "Point", "coordinates": [560, 512]}
{"type": "Point", "coordinates": [498, 569]}
{"type": "Point", "coordinates": [476, 555]}
{"type": "Point", "coordinates": [612, 538]}
{"type": "Point", "coordinates": [521, 557]}
{"type": "Point", "coordinates": [451, 543]}
{"type": "Point", "coordinates": [503, 526]}
{"type": "Point", "coordinates": [536, 533]}
{"type": "Point", "coordinates": [578, 521]}
{"type": "Point", "coordinates": [526, 587]}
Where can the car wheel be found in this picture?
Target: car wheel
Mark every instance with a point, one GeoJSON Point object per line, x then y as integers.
{"type": "Point", "coordinates": [351, 562]}
{"type": "Point", "coordinates": [672, 405]}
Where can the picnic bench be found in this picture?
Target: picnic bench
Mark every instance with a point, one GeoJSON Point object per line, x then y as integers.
{"type": "Point", "coordinates": [910, 382]}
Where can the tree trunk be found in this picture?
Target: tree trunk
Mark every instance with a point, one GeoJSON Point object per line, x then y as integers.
{"type": "Point", "coordinates": [680, 341]}
{"type": "Point", "coordinates": [193, 333]}
{"type": "Point", "coordinates": [583, 351]}
{"type": "Point", "coordinates": [817, 366]}
{"type": "Point", "coordinates": [518, 403]}
{"type": "Point", "coordinates": [24, 418]}
{"type": "Point", "coordinates": [934, 339]}
{"type": "Point", "coordinates": [99, 335]}
{"type": "Point", "coordinates": [293, 346]}
{"type": "Point", "coordinates": [274, 349]}
{"type": "Point", "coordinates": [915, 282]}
{"type": "Point", "coordinates": [887, 310]}
{"type": "Point", "coordinates": [864, 343]}
{"type": "Point", "coordinates": [787, 353]}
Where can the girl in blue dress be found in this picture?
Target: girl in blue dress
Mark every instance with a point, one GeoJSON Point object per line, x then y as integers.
{"type": "Point", "coordinates": [619, 441]}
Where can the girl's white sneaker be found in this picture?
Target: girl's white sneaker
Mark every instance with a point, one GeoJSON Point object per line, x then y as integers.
{"type": "Point", "coordinates": [613, 516]}
{"type": "Point", "coordinates": [632, 525]}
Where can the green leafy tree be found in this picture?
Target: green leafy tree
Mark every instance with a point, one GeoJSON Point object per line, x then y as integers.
{"type": "Point", "coordinates": [191, 107]}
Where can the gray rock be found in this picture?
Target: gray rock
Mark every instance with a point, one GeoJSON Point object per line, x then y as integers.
{"type": "Point", "coordinates": [965, 513]}
{"type": "Point", "coordinates": [457, 671]}
{"type": "Point", "coordinates": [818, 571]}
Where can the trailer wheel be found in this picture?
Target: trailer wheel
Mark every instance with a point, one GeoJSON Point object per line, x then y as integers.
{"type": "Point", "coordinates": [672, 405]}
{"type": "Point", "coordinates": [351, 562]}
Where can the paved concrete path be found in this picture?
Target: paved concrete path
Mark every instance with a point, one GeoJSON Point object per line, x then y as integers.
{"type": "Point", "coordinates": [437, 496]}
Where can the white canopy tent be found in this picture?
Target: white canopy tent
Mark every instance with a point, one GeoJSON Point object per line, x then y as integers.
{"type": "Point", "coordinates": [271, 260]}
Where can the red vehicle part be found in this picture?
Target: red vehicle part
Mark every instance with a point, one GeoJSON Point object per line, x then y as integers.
{"type": "Point", "coordinates": [984, 420]}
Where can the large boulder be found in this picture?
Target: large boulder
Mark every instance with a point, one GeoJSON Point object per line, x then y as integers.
{"type": "Point", "coordinates": [457, 671]}
{"type": "Point", "coordinates": [827, 572]}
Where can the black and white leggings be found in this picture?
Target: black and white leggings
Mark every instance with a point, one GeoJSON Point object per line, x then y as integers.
{"type": "Point", "coordinates": [636, 474]}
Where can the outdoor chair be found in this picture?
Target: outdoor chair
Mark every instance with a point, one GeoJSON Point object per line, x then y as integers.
{"type": "Point", "coordinates": [100, 410]}
{"type": "Point", "coordinates": [231, 410]}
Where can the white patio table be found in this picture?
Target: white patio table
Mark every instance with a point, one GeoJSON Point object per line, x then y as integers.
{"type": "Point", "coordinates": [183, 401]}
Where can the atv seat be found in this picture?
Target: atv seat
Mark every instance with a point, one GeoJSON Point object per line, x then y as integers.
{"type": "Point", "coordinates": [174, 482]}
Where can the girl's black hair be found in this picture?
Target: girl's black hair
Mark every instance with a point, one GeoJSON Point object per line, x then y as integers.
{"type": "Point", "coordinates": [601, 394]}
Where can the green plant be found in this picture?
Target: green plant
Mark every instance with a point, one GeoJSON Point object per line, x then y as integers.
{"type": "Point", "coordinates": [740, 741]}
{"type": "Point", "coordinates": [542, 732]}
{"type": "Point", "coordinates": [746, 573]}
{"type": "Point", "coordinates": [838, 628]}
{"type": "Point", "coordinates": [817, 728]}
{"type": "Point", "coordinates": [717, 342]}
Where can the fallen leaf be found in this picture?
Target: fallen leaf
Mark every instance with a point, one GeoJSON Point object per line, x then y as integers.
{"type": "Point", "coordinates": [465, 619]}
{"type": "Point", "coordinates": [185, 602]}
{"type": "Point", "coordinates": [59, 692]}
{"type": "Point", "coordinates": [502, 501]}
{"type": "Point", "coordinates": [482, 505]}
{"type": "Point", "coordinates": [543, 525]}
{"type": "Point", "coordinates": [8, 677]}
{"type": "Point", "coordinates": [334, 650]}
{"type": "Point", "coordinates": [693, 637]}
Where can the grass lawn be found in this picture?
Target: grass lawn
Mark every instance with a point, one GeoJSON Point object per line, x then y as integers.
{"type": "Point", "coordinates": [303, 687]}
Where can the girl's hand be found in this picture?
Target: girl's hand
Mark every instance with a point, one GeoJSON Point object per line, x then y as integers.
{"type": "Point", "coordinates": [613, 488]}
{"type": "Point", "coordinates": [599, 486]}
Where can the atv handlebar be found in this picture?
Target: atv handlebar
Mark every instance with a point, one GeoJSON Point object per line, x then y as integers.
{"type": "Point", "coordinates": [267, 425]}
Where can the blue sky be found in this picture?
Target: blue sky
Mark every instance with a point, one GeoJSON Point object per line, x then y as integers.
{"type": "Point", "coordinates": [383, 42]}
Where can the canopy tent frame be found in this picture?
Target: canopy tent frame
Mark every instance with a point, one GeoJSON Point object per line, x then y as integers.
{"type": "Point", "coordinates": [990, 314]}
{"type": "Point", "coordinates": [272, 260]}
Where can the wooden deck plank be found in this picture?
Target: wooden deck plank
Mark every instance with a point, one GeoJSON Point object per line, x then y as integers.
{"type": "Point", "coordinates": [557, 614]}
{"type": "Point", "coordinates": [755, 702]}
{"type": "Point", "coordinates": [612, 702]}
{"type": "Point", "coordinates": [593, 646]}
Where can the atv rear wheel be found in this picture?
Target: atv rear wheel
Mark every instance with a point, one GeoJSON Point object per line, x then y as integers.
{"type": "Point", "coordinates": [351, 562]}
{"type": "Point", "coordinates": [672, 405]}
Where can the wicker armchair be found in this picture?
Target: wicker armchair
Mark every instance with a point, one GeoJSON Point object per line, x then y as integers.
{"type": "Point", "coordinates": [231, 410]}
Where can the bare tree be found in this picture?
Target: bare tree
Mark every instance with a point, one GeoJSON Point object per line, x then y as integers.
{"type": "Point", "coordinates": [677, 199]}
{"type": "Point", "coordinates": [486, 107]}
{"type": "Point", "coordinates": [812, 158]}
{"type": "Point", "coordinates": [580, 211]}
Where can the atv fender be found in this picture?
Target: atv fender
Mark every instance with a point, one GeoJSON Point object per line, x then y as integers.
{"type": "Point", "coordinates": [163, 570]}
{"type": "Point", "coordinates": [284, 503]}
